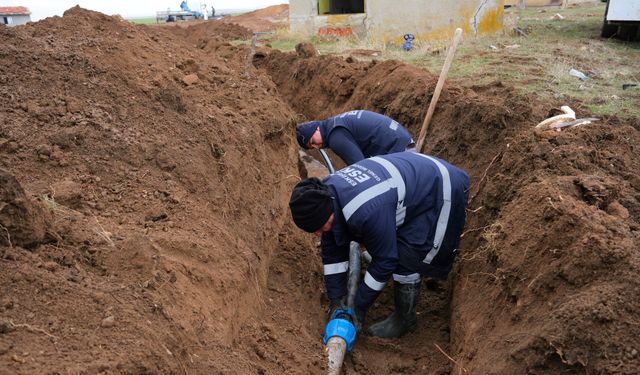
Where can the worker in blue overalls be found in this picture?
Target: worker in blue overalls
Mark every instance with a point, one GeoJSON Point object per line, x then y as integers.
{"type": "Point", "coordinates": [355, 135]}
{"type": "Point", "coordinates": [185, 7]}
{"type": "Point", "coordinates": [407, 208]}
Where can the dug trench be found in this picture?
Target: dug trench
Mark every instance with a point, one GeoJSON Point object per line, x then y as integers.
{"type": "Point", "coordinates": [145, 179]}
{"type": "Point", "coordinates": [545, 281]}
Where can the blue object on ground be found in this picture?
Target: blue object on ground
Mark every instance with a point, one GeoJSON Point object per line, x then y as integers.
{"type": "Point", "coordinates": [408, 40]}
{"type": "Point", "coordinates": [341, 327]}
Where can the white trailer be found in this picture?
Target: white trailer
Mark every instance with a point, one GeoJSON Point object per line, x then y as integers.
{"type": "Point", "coordinates": [622, 19]}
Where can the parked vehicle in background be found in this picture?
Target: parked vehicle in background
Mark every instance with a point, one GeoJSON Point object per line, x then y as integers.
{"type": "Point", "coordinates": [622, 20]}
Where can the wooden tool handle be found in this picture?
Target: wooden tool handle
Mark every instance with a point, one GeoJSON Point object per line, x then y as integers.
{"type": "Point", "coordinates": [436, 93]}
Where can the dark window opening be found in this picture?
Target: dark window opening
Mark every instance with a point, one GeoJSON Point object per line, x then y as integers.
{"type": "Point", "coordinates": [5, 20]}
{"type": "Point", "coordinates": [340, 6]}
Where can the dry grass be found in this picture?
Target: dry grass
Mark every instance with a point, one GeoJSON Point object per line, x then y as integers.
{"type": "Point", "coordinates": [538, 64]}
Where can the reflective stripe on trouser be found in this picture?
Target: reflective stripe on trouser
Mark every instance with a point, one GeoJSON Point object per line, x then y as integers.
{"type": "Point", "coordinates": [335, 268]}
{"type": "Point", "coordinates": [411, 259]}
{"type": "Point", "coordinates": [445, 211]}
{"type": "Point", "coordinates": [373, 283]}
{"type": "Point", "coordinates": [413, 278]}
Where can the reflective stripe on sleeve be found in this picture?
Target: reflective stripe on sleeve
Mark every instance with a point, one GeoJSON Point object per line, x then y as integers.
{"type": "Point", "coordinates": [350, 208]}
{"type": "Point", "coordinates": [395, 181]}
{"type": "Point", "coordinates": [443, 218]}
{"type": "Point", "coordinates": [373, 283]}
{"type": "Point", "coordinates": [334, 268]}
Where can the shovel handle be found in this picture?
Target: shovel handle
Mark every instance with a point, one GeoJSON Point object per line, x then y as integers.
{"type": "Point", "coordinates": [436, 93]}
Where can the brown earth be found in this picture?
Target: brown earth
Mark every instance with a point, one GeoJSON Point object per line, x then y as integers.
{"type": "Point", "coordinates": [161, 174]}
{"type": "Point", "coordinates": [266, 19]}
{"type": "Point", "coordinates": [546, 280]}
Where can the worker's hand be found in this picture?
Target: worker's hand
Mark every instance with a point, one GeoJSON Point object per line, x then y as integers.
{"type": "Point", "coordinates": [336, 304]}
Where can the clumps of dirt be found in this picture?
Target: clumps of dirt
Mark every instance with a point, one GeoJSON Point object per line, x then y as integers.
{"type": "Point", "coordinates": [305, 50]}
{"type": "Point", "coordinates": [383, 86]}
{"type": "Point", "coordinates": [202, 33]}
{"type": "Point", "coordinates": [22, 222]}
{"type": "Point", "coordinates": [561, 241]}
{"type": "Point", "coordinates": [266, 19]}
{"type": "Point", "coordinates": [166, 170]}
{"type": "Point", "coordinates": [545, 278]}
{"type": "Point", "coordinates": [166, 173]}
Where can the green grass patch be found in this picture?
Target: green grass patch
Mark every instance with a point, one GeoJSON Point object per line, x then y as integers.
{"type": "Point", "coordinates": [142, 21]}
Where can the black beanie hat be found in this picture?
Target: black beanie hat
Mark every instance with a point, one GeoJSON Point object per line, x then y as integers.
{"type": "Point", "coordinates": [305, 131]}
{"type": "Point", "coordinates": [311, 204]}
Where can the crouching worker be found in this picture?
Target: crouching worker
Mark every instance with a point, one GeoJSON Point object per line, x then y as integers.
{"type": "Point", "coordinates": [407, 208]}
{"type": "Point", "coordinates": [355, 135]}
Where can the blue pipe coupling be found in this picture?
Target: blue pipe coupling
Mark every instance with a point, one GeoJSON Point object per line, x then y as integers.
{"type": "Point", "coordinates": [341, 327]}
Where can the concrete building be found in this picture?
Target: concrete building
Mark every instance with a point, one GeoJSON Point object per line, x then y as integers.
{"type": "Point", "coordinates": [13, 16]}
{"type": "Point", "coordinates": [544, 3]}
{"type": "Point", "coordinates": [379, 21]}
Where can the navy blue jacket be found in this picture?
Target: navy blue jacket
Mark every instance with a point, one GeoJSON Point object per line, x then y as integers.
{"type": "Point", "coordinates": [400, 206]}
{"type": "Point", "coordinates": [357, 135]}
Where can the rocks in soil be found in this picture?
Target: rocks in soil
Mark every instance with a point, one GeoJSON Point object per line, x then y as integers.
{"type": "Point", "coordinates": [68, 193]}
{"type": "Point", "coordinates": [108, 322]}
{"type": "Point", "coordinates": [306, 50]}
{"type": "Point", "coordinates": [9, 146]}
{"type": "Point", "coordinates": [22, 221]}
{"type": "Point", "coordinates": [6, 326]}
{"type": "Point", "coordinates": [190, 79]}
{"type": "Point", "coordinates": [50, 266]}
{"type": "Point", "coordinates": [617, 209]}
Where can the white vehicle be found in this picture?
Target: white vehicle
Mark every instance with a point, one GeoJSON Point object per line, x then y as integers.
{"type": "Point", "coordinates": [622, 19]}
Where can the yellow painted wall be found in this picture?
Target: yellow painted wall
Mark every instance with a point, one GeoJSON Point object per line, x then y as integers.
{"type": "Point", "coordinates": [388, 21]}
{"type": "Point", "coordinates": [534, 3]}
{"type": "Point", "coordinates": [433, 20]}
{"type": "Point", "coordinates": [544, 3]}
{"type": "Point", "coordinates": [323, 6]}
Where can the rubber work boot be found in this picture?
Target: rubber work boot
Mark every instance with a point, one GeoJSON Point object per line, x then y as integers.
{"type": "Point", "coordinates": [403, 319]}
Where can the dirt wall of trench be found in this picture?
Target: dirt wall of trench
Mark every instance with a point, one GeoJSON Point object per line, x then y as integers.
{"type": "Point", "coordinates": [546, 279]}
{"type": "Point", "coordinates": [163, 174]}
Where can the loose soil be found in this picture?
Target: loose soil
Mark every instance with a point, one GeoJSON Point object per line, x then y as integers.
{"type": "Point", "coordinates": [267, 19]}
{"type": "Point", "coordinates": [145, 229]}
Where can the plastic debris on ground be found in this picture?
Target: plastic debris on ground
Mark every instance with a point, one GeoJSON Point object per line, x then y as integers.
{"type": "Point", "coordinates": [521, 32]}
{"type": "Point", "coordinates": [572, 124]}
{"type": "Point", "coordinates": [564, 121]}
{"type": "Point", "coordinates": [578, 74]}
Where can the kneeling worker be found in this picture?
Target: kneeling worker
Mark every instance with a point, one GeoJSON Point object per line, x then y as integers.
{"type": "Point", "coordinates": [355, 135]}
{"type": "Point", "coordinates": [407, 208]}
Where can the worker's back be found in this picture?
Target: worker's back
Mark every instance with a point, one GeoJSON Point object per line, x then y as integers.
{"type": "Point", "coordinates": [375, 134]}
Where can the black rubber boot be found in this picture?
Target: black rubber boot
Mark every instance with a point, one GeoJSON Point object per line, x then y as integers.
{"type": "Point", "coordinates": [403, 319]}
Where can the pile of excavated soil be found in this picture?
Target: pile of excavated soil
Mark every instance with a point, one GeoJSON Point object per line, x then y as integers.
{"type": "Point", "coordinates": [144, 192]}
{"type": "Point", "coordinates": [145, 228]}
{"type": "Point", "coordinates": [266, 19]}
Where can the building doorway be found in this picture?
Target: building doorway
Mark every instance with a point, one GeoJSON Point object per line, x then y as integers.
{"type": "Point", "coordinates": [340, 6]}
